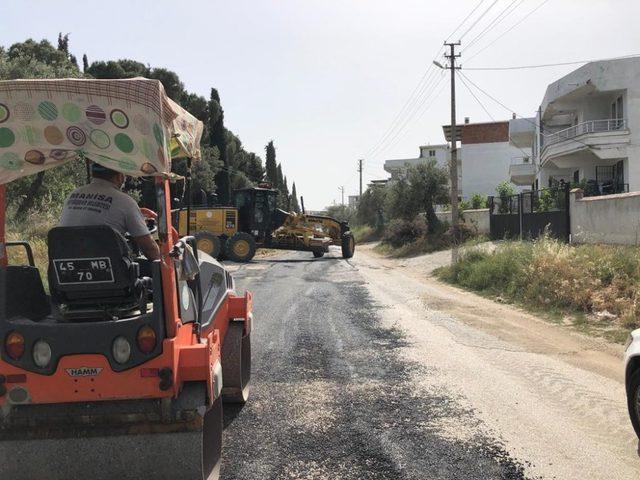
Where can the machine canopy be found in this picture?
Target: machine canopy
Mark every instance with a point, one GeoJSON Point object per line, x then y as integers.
{"type": "Point", "coordinates": [126, 125]}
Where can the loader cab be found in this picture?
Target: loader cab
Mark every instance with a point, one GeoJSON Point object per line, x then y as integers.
{"type": "Point", "coordinates": [257, 211]}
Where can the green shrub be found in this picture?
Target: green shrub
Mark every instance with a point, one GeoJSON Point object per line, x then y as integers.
{"type": "Point", "coordinates": [401, 232]}
{"type": "Point", "coordinates": [478, 201]}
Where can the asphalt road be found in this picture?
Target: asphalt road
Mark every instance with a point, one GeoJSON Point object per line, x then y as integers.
{"type": "Point", "coordinates": [334, 395]}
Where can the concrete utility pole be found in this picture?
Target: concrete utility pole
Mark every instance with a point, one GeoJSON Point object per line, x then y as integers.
{"type": "Point", "coordinates": [341, 188]}
{"type": "Point", "coordinates": [453, 165]}
{"type": "Point", "coordinates": [360, 171]}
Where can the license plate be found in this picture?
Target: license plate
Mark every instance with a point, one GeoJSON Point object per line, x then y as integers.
{"type": "Point", "coordinates": [73, 271]}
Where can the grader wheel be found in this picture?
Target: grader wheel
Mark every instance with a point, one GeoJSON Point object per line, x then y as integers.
{"type": "Point", "coordinates": [348, 245]}
{"type": "Point", "coordinates": [208, 243]}
{"type": "Point", "coordinates": [240, 247]}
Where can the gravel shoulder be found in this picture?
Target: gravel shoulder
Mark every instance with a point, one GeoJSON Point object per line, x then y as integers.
{"type": "Point", "coordinates": [550, 394]}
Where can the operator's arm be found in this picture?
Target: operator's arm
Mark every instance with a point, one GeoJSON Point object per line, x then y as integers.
{"type": "Point", "coordinates": [137, 227]}
{"type": "Point", "coordinates": [148, 246]}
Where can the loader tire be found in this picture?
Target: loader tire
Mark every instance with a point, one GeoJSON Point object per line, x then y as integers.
{"type": "Point", "coordinates": [348, 245]}
{"type": "Point", "coordinates": [240, 247]}
{"type": "Point", "coordinates": [236, 364]}
{"type": "Point", "coordinates": [208, 243]}
{"type": "Point", "coordinates": [318, 254]}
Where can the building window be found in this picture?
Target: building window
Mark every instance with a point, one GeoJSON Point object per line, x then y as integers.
{"type": "Point", "coordinates": [432, 153]}
{"type": "Point", "coordinates": [617, 112]}
{"type": "Point", "coordinates": [576, 176]}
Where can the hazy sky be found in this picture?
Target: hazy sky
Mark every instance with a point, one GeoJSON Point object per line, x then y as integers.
{"type": "Point", "coordinates": [325, 79]}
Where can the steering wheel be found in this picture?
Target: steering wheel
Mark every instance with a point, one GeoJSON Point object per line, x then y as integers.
{"type": "Point", "coordinates": [151, 218]}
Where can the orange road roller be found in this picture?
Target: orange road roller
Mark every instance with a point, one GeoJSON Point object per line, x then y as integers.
{"type": "Point", "coordinates": [121, 368]}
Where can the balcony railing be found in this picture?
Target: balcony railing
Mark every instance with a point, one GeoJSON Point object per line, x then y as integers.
{"type": "Point", "coordinates": [592, 188]}
{"type": "Point", "coordinates": [592, 126]}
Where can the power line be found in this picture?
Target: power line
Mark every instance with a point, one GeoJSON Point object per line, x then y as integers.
{"type": "Point", "coordinates": [424, 110]}
{"type": "Point", "coordinates": [495, 99]}
{"type": "Point", "coordinates": [394, 140]}
{"type": "Point", "coordinates": [464, 82]}
{"type": "Point", "coordinates": [577, 62]}
{"type": "Point", "coordinates": [415, 94]}
{"type": "Point", "coordinates": [478, 19]}
{"type": "Point", "coordinates": [408, 112]}
{"type": "Point", "coordinates": [507, 31]}
{"type": "Point", "coordinates": [465, 19]}
{"type": "Point", "coordinates": [409, 106]}
{"type": "Point", "coordinates": [496, 21]}
{"type": "Point", "coordinates": [418, 96]}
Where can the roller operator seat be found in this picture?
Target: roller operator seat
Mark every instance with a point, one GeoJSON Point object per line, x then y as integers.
{"type": "Point", "coordinates": [91, 270]}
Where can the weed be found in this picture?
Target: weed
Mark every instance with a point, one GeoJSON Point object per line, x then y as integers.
{"type": "Point", "coordinates": [598, 285]}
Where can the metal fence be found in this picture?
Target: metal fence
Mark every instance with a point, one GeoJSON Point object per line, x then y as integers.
{"type": "Point", "coordinates": [530, 214]}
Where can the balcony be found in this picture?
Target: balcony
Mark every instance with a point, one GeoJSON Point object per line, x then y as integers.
{"type": "Point", "coordinates": [522, 171]}
{"type": "Point", "coordinates": [595, 139]}
{"type": "Point", "coordinates": [592, 126]}
{"type": "Point", "coordinates": [522, 132]}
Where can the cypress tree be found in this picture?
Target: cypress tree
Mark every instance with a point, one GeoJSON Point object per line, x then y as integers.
{"type": "Point", "coordinates": [279, 178]}
{"type": "Point", "coordinates": [218, 139]}
{"type": "Point", "coordinates": [295, 206]}
{"type": "Point", "coordinates": [270, 165]}
{"type": "Point", "coordinates": [286, 196]}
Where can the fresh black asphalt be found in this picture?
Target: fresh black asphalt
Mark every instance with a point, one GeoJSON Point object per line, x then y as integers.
{"type": "Point", "coordinates": [332, 396]}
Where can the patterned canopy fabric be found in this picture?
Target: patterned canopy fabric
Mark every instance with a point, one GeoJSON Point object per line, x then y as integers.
{"type": "Point", "coordinates": [127, 125]}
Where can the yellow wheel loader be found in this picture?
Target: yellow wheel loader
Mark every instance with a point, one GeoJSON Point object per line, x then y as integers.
{"type": "Point", "coordinates": [254, 221]}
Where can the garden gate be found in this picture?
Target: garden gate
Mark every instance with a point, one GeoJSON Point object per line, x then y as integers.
{"type": "Point", "coordinates": [528, 215]}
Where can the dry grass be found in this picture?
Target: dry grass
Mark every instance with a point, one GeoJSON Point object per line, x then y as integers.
{"type": "Point", "coordinates": [598, 282]}
{"type": "Point", "coordinates": [365, 234]}
{"type": "Point", "coordinates": [34, 230]}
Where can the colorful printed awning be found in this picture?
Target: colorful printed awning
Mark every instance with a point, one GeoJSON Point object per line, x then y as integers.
{"type": "Point", "coordinates": [126, 125]}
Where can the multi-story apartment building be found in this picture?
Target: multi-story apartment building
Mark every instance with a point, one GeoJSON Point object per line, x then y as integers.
{"type": "Point", "coordinates": [439, 153]}
{"type": "Point", "coordinates": [484, 156]}
{"type": "Point", "coordinates": [587, 130]}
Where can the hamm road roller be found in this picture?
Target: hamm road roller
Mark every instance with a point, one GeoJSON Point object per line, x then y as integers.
{"type": "Point", "coordinates": [120, 370]}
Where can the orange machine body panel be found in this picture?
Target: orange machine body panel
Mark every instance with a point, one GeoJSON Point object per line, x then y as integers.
{"type": "Point", "coordinates": [88, 378]}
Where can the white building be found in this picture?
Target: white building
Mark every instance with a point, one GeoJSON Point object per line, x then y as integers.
{"type": "Point", "coordinates": [485, 156]}
{"type": "Point", "coordinates": [353, 200]}
{"type": "Point", "coordinates": [441, 154]}
{"type": "Point", "coordinates": [587, 130]}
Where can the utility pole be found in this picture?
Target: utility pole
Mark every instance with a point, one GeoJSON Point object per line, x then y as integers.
{"type": "Point", "coordinates": [360, 171]}
{"type": "Point", "coordinates": [341, 188]}
{"type": "Point", "coordinates": [453, 165]}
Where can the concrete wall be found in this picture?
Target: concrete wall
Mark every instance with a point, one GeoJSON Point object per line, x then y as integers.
{"type": "Point", "coordinates": [474, 219]}
{"type": "Point", "coordinates": [612, 219]}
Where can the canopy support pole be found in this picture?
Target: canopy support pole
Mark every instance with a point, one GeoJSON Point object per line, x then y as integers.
{"type": "Point", "coordinates": [3, 210]}
{"type": "Point", "coordinates": [188, 180]}
{"type": "Point", "coordinates": [169, 286]}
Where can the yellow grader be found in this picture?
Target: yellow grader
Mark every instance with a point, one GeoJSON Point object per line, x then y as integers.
{"type": "Point", "coordinates": [254, 221]}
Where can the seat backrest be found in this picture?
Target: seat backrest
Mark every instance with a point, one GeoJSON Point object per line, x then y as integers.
{"type": "Point", "coordinates": [22, 294]}
{"type": "Point", "coordinates": [90, 263]}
